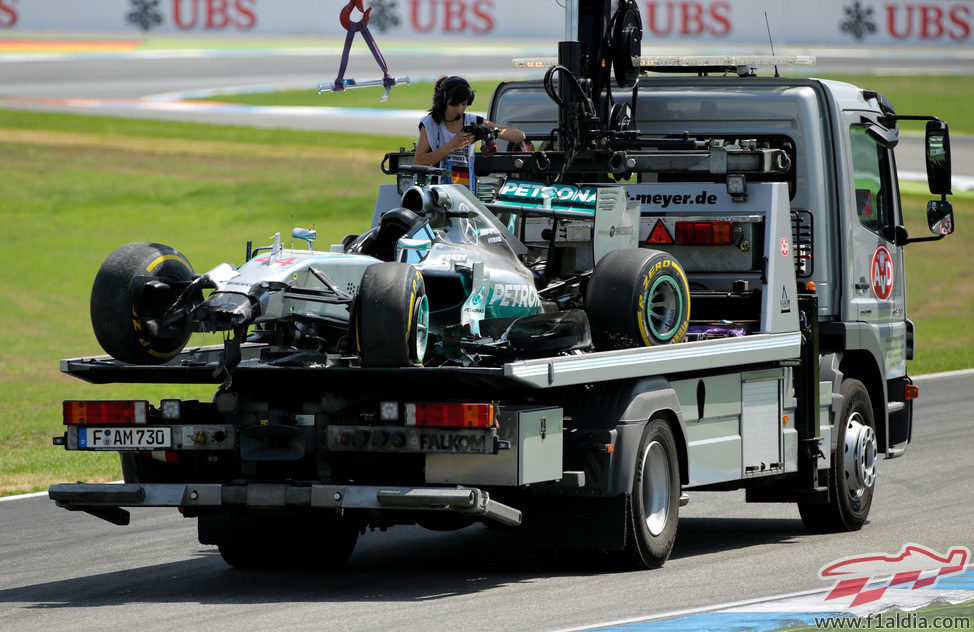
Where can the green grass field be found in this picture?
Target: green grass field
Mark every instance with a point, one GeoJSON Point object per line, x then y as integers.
{"type": "Point", "coordinates": [73, 188]}
{"type": "Point", "coordinates": [76, 187]}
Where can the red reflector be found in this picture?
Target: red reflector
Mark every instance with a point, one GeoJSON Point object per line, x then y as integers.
{"type": "Point", "coordinates": [704, 233]}
{"type": "Point", "coordinates": [78, 413]}
{"type": "Point", "coordinates": [450, 415]}
{"type": "Point", "coordinates": [659, 234]}
{"type": "Point", "coordinates": [912, 392]}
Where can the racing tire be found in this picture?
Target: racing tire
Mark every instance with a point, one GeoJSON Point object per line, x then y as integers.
{"type": "Point", "coordinates": [137, 284]}
{"type": "Point", "coordinates": [852, 473]}
{"type": "Point", "coordinates": [391, 320]}
{"type": "Point", "coordinates": [654, 504]}
{"type": "Point", "coordinates": [637, 297]}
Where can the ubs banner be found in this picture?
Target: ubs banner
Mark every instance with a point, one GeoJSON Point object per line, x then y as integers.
{"type": "Point", "coordinates": [863, 22]}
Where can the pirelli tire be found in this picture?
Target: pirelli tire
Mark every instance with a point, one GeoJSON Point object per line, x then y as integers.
{"type": "Point", "coordinates": [390, 323]}
{"type": "Point", "coordinates": [852, 474]}
{"type": "Point", "coordinates": [637, 297]}
{"type": "Point", "coordinates": [133, 289]}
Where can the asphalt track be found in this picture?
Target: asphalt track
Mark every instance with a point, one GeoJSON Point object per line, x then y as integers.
{"type": "Point", "coordinates": [70, 571]}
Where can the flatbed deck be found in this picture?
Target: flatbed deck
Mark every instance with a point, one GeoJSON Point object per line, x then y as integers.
{"type": "Point", "coordinates": [201, 365]}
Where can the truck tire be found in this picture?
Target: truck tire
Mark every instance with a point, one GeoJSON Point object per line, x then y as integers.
{"type": "Point", "coordinates": [637, 297]}
{"type": "Point", "coordinates": [137, 283]}
{"type": "Point", "coordinates": [391, 320]}
{"type": "Point", "coordinates": [852, 474]}
{"type": "Point", "coordinates": [654, 504]}
{"type": "Point", "coordinates": [316, 540]}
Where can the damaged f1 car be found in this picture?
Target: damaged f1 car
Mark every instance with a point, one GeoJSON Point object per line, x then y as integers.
{"type": "Point", "coordinates": [439, 280]}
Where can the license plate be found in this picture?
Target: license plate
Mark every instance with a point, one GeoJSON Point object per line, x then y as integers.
{"type": "Point", "coordinates": [124, 438]}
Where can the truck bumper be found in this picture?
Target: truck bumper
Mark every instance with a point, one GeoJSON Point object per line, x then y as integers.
{"type": "Point", "coordinates": [106, 500]}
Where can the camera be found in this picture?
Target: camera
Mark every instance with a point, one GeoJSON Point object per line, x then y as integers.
{"type": "Point", "coordinates": [481, 132]}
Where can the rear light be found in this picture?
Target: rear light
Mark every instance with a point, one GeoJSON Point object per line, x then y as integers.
{"type": "Point", "coordinates": [451, 415]}
{"type": "Point", "coordinates": [704, 233]}
{"type": "Point", "coordinates": [78, 413]}
{"type": "Point", "coordinates": [912, 391]}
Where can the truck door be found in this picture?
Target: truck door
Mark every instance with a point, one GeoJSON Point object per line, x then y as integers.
{"type": "Point", "coordinates": [878, 287]}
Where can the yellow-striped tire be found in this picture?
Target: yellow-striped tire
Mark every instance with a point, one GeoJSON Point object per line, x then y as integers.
{"type": "Point", "coordinates": [637, 297]}
{"type": "Point", "coordinates": [133, 289]}
{"type": "Point", "coordinates": [391, 320]}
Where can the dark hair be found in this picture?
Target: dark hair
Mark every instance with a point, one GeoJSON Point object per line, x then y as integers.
{"type": "Point", "coordinates": [449, 90]}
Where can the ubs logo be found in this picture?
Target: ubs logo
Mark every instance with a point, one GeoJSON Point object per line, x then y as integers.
{"type": "Point", "coordinates": [858, 22]}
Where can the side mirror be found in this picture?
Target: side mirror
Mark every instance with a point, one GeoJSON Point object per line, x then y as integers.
{"type": "Point", "coordinates": [938, 158]}
{"type": "Point", "coordinates": [307, 234]}
{"type": "Point", "coordinates": [940, 217]}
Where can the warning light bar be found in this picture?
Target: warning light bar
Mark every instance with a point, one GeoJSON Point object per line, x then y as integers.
{"type": "Point", "coordinates": [101, 412]}
{"type": "Point", "coordinates": [704, 233]}
{"type": "Point", "coordinates": [689, 62]}
{"type": "Point", "coordinates": [721, 61]}
{"type": "Point", "coordinates": [451, 415]}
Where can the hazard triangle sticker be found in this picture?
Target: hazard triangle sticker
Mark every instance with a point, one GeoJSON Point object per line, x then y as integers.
{"type": "Point", "coordinates": [659, 234]}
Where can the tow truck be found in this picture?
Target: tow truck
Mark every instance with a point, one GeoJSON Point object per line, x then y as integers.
{"type": "Point", "coordinates": [779, 199]}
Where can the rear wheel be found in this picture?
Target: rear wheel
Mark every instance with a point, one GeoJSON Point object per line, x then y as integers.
{"type": "Point", "coordinates": [654, 505]}
{"type": "Point", "coordinates": [391, 323]}
{"type": "Point", "coordinates": [312, 540]}
{"type": "Point", "coordinates": [133, 290]}
{"type": "Point", "coordinates": [637, 297]}
{"type": "Point", "coordinates": [852, 475]}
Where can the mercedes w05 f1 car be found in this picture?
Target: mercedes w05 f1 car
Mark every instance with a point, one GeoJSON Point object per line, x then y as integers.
{"type": "Point", "coordinates": [441, 279]}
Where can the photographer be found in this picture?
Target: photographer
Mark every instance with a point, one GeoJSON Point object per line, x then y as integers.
{"type": "Point", "coordinates": [447, 134]}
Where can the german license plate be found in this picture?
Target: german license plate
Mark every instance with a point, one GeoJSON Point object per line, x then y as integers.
{"type": "Point", "coordinates": [124, 438]}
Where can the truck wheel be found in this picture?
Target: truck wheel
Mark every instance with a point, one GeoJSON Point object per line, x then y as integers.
{"type": "Point", "coordinates": [654, 505]}
{"type": "Point", "coordinates": [852, 477]}
{"type": "Point", "coordinates": [136, 285]}
{"type": "Point", "coordinates": [319, 540]}
{"type": "Point", "coordinates": [637, 297]}
{"type": "Point", "coordinates": [391, 320]}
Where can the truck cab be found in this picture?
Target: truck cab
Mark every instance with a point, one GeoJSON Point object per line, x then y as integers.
{"type": "Point", "coordinates": [847, 218]}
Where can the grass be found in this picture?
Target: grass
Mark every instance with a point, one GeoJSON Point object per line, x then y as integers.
{"type": "Point", "coordinates": [940, 290]}
{"type": "Point", "coordinates": [948, 97]}
{"type": "Point", "coordinates": [76, 187]}
{"type": "Point", "coordinates": [415, 96]}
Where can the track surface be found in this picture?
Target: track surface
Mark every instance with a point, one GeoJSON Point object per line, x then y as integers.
{"type": "Point", "coordinates": [64, 570]}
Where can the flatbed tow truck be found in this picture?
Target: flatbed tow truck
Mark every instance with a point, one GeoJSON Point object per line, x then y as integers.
{"type": "Point", "coordinates": [777, 196]}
